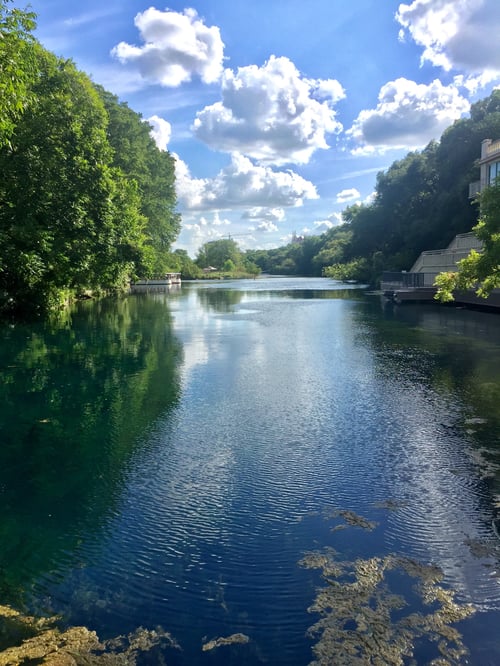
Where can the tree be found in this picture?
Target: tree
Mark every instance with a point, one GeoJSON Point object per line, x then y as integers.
{"type": "Point", "coordinates": [70, 221]}
{"type": "Point", "coordinates": [16, 66]}
{"type": "Point", "coordinates": [333, 248]}
{"type": "Point", "coordinates": [153, 170]}
{"type": "Point", "coordinates": [480, 270]}
{"type": "Point", "coordinates": [357, 270]}
{"type": "Point", "coordinates": [229, 266]}
{"type": "Point", "coordinates": [251, 267]}
{"type": "Point", "coordinates": [215, 253]}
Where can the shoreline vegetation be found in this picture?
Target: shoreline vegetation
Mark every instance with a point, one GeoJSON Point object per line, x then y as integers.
{"type": "Point", "coordinates": [89, 200]}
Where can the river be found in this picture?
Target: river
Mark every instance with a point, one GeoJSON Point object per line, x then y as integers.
{"type": "Point", "coordinates": [247, 460]}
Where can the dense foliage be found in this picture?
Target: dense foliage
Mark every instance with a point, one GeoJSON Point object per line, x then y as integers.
{"type": "Point", "coordinates": [86, 198]}
{"type": "Point", "coordinates": [478, 271]}
{"type": "Point", "coordinates": [224, 255]}
{"type": "Point", "coordinates": [136, 155]}
{"type": "Point", "coordinates": [16, 66]}
{"type": "Point", "coordinates": [421, 202]}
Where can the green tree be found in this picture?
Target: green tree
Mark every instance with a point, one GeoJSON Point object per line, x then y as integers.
{"type": "Point", "coordinates": [480, 270]}
{"type": "Point", "coordinates": [229, 266]}
{"type": "Point", "coordinates": [135, 153]}
{"type": "Point", "coordinates": [333, 248]}
{"type": "Point", "coordinates": [251, 267]}
{"type": "Point", "coordinates": [70, 221]}
{"type": "Point", "coordinates": [179, 262]}
{"type": "Point", "coordinates": [16, 66]}
{"type": "Point", "coordinates": [215, 253]}
{"type": "Point", "coordinates": [357, 270]}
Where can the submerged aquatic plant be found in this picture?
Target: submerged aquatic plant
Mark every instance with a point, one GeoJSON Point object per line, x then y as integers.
{"type": "Point", "coordinates": [225, 640]}
{"type": "Point", "coordinates": [32, 640]}
{"type": "Point", "coordinates": [362, 622]}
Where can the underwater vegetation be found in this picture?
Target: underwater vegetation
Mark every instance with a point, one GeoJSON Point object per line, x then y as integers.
{"type": "Point", "coordinates": [227, 640]}
{"type": "Point", "coordinates": [387, 610]}
{"type": "Point", "coordinates": [39, 641]}
{"type": "Point", "coordinates": [364, 623]}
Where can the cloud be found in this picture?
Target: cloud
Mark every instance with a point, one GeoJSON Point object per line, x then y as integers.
{"type": "Point", "coordinates": [267, 227]}
{"type": "Point", "coordinates": [408, 116]}
{"type": "Point", "coordinates": [177, 47]}
{"type": "Point", "coordinates": [199, 229]}
{"type": "Point", "coordinates": [348, 195]}
{"type": "Point", "coordinates": [266, 214]}
{"type": "Point", "coordinates": [161, 131]}
{"type": "Point", "coordinates": [89, 18]}
{"type": "Point", "coordinates": [242, 185]}
{"type": "Point", "coordinates": [455, 34]}
{"type": "Point", "coordinates": [333, 220]}
{"type": "Point", "coordinates": [193, 236]}
{"type": "Point", "coordinates": [320, 226]}
{"type": "Point", "coordinates": [218, 221]}
{"type": "Point", "coordinates": [271, 113]}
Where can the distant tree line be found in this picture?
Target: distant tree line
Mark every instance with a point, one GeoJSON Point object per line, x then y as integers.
{"type": "Point", "coordinates": [224, 255]}
{"type": "Point", "coordinates": [87, 200]}
{"type": "Point", "coordinates": [421, 202]}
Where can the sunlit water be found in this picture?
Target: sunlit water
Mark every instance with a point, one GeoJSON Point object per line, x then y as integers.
{"type": "Point", "coordinates": [167, 459]}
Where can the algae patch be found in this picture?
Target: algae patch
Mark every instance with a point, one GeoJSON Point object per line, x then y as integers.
{"type": "Point", "coordinates": [352, 519]}
{"type": "Point", "coordinates": [27, 640]}
{"type": "Point", "coordinates": [228, 640]}
{"type": "Point", "coordinates": [362, 622]}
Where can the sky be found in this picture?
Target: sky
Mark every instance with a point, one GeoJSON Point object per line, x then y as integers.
{"type": "Point", "coordinates": [281, 113]}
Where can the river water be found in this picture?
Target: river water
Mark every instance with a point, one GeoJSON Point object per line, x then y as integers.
{"type": "Point", "coordinates": [199, 460]}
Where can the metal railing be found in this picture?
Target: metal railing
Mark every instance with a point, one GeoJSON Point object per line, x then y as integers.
{"type": "Point", "coordinates": [474, 189]}
{"type": "Point", "coordinates": [394, 280]}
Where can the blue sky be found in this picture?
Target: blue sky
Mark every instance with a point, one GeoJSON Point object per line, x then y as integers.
{"type": "Point", "coordinates": [280, 113]}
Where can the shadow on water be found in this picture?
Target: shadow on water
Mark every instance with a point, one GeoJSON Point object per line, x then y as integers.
{"type": "Point", "coordinates": [460, 351]}
{"type": "Point", "coordinates": [75, 402]}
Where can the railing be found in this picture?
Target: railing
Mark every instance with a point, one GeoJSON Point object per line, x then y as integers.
{"type": "Point", "coordinates": [394, 280]}
{"type": "Point", "coordinates": [494, 147]}
{"type": "Point", "coordinates": [467, 241]}
{"type": "Point", "coordinates": [474, 189]}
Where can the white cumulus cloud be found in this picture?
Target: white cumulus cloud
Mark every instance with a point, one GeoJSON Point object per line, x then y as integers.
{"type": "Point", "coordinates": [320, 226]}
{"type": "Point", "coordinates": [271, 113]}
{"type": "Point", "coordinates": [348, 195]}
{"type": "Point", "coordinates": [177, 47]}
{"type": "Point", "coordinates": [408, 115]}
{"type": "Point", "coordinates": [161, 131]}
{"type": "Point", "coordinates": [455, 34]}
{"type": "Point", "coordinates": [333, 220]}
{"type": "Point", "coordinates": [242, 184]}
{"type": "Point", "coordinates": [267, 227]}
{"type": "Point", "coordinates": [266, 214]}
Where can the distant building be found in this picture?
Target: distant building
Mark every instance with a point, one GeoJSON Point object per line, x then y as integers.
{"type": "Point", "coordinates": [418, 283]}
{"type": "Point", "coordinates": [489, 165]}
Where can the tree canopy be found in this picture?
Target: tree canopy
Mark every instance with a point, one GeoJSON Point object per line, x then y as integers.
{"type": "Point", "coordinates": [16, 65]}
{"type": "Point", "coordinates": [87, 199]}
{"type": "Point", "coordinates": [421, 202]}
{"type": "Point", "coordinates": [153, 170]}
{"type": "Point", "coordinates": [480, 270]}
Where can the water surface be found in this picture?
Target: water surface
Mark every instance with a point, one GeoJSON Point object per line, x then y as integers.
{"type": "Point", "coordinates": [169, 458]}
